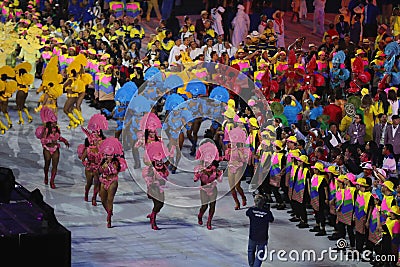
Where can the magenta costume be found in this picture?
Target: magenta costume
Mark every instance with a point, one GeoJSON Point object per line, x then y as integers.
{"type": "Point", "coordinates": [49, 135]}
{"type": "Point", "coordinates": [93, 156]}
{"type": "Point", "coordinates": [109, 174]}
{"type": "Point", "coordinates": [155, 174]}
{"type": "Point", "coordinates": [208, 177]}
{"type": "Point", "coordinates": [49, 140]}
{"type": "Point", "coordinates": [208, 174]}
{"type": "Point", "coordinates": [237, 157]}
{"type": "Point", "coordinates": [93, 159]}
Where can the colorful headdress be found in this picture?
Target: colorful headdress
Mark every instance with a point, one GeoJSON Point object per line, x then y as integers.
{"type": "Point", "coordinates": [339, 57]}
{"type": "Point", "coordinates": [98, 122]}
{"type": "Point", "coordinates": [111, 146]}
{"type": "Point", "coordinates": [47, 115]}
{"type": "Point", "coordinates": [126, 92]}
{"type": "Point", "coordinates": [173, 81]}
{"type": "Point", "coordinates": [237, 135]}
{"type": "Point", "coordinates": [150, 121]}
{"type": "Point", "coordinates": [7, 70]}
{"type": "Point", "coordinates": [79, 62]}
{"type": "Point", "coordinates": [196, 87]}
{"type": "Point", "coordinates": [157, 151]}
{"type": "Point", "coordinates": [207, 152]}
{"type": "Point", "coordinates": [23, 66]}
{"type": "Point", "coordinates": [173, 101]}
{"type": "Point", "coordinates": [219, 93]}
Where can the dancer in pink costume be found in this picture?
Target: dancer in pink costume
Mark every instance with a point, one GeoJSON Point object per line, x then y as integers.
{"type": "Point", "coordinates": [89, 153]}
{"type": "Point", "coordinates": [238, 156]}
{"type": "Point", "coordinates": [112, 163]}
{"type": "Point", "coordinates": [149, 125]}
{"type": "Point", "coordinates": [155, 174]}
{"type": "Point", "coordinates": [49, 135]}
{"type": "Point", "coordinates": [208, 174]}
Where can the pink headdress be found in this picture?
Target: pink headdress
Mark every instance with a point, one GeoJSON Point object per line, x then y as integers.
{"type": "Point", "coordinates": [237, 135]}
{"type": "Point", "coordinates": [92, 137]}
{"type": "Point", "coordinates": [98, 122]}
{"type": "Point", "coordinates": [351, 177]}
{"type": "Point", "coordinates": [157, 151]}
{"type": "Point", "coordinates": [47, 115]}
{"type": "Point", "coordinates": [150, 121]}
{"type": "Point", "coordinates": [207, 152]}
{"type": "Point", "coordinates": [111, 146]}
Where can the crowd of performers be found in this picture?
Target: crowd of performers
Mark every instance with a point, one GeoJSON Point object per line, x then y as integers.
{"type": "Point", "coordinates": [339, 159]}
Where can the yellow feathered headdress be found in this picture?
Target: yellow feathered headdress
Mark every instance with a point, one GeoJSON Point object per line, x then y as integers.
{"type": "Point", "coordinates": [79, 62]}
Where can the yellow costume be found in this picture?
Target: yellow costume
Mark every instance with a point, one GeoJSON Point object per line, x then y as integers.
{"type": "Point", "coordinates": [24, 80]}
{"type": "Point", "coordinates": [51, 86]}
{"type": "Point", "coordinates": [78, 80]}
{"type": "Point", "coordinates": [7, 89]}
{"type": "Point", "coordinates": [369, 114]}
{"type": "Point", "coordinates": [30, 49]}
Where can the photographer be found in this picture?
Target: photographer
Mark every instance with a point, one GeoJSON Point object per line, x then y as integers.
{"type": "Point", "coordinates": [260, 216]}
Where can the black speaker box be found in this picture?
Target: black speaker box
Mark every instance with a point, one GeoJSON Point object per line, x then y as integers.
{"type": "Point", "coordinates": [7, 182]}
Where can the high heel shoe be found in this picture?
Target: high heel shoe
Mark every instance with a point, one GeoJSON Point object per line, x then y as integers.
{"type": "Point", "coordinates": [200, 218]}
{"type": "Point", "coordinates": [94, 202]}
{"type": "Point", "coordinates": [244, 201]}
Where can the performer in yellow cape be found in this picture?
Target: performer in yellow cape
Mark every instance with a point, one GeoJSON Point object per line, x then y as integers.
{"type": "Point", "coordinates": [75, 85]}
{"type": "Point", "coordinates": [24, 80]}
{"type": "Point", "coordinates": [51, 86]}
{"type": "Point", "coordinates": [7, 89]}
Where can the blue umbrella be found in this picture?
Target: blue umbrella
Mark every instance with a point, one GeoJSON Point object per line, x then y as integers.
{"type": "Point", "coordinates": [173, 81]}
{"type": "Point", "coordinates": [126, 92]}
{"type": "Point", "coordinates": [172, 101]}
{"type": "Point", "coordinates": [196, 87]}
{"type": "Point", "coordinates": [220, 93]}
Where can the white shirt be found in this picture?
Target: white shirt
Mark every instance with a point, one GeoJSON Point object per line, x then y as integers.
{"type": "Point", "coordinates": [231, 51]}
{"type": "Point", "coordinates": [382, 141]}
{"type": "Point", "coordinates": [194, 53]}
{"type": "Point", "coordinates": [175, 51]}
{"type": "Point", "coordinates": [394, 130]}
{"type": "Point", "coordinates": [219, 48]}
{"type": "Point", "coordinates": [207, 52]}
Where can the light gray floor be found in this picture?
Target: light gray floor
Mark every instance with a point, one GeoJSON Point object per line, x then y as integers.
{"type": "Point", "coordinates": [131, 242]}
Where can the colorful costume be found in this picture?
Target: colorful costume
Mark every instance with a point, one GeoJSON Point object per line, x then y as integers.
{"type": "Point", "coordinates": [51, 86]}
{"type": "Point", "coordinates": [109, 169]}
{"type": "Point", "coordinates": [208, 174]}
{"type": "Point", "coordinates": [24, 80]}
{"type": "Point", "coordinates": [238, 157]}
{"type": "Point", "coordinates": [155, 174]}
{"type": "Point", "coordinates": [338, 73]}
{"type": "Point", "coordinates": [122, 99]}
{"type": "Point", "coordinates": [89, 153]}
{"type": "Point", "coordinates": [74, 86]}
{"type": "Point", "coordinates": [7, 89]}
{"type": "Point", "coordinates": [49, 136]}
